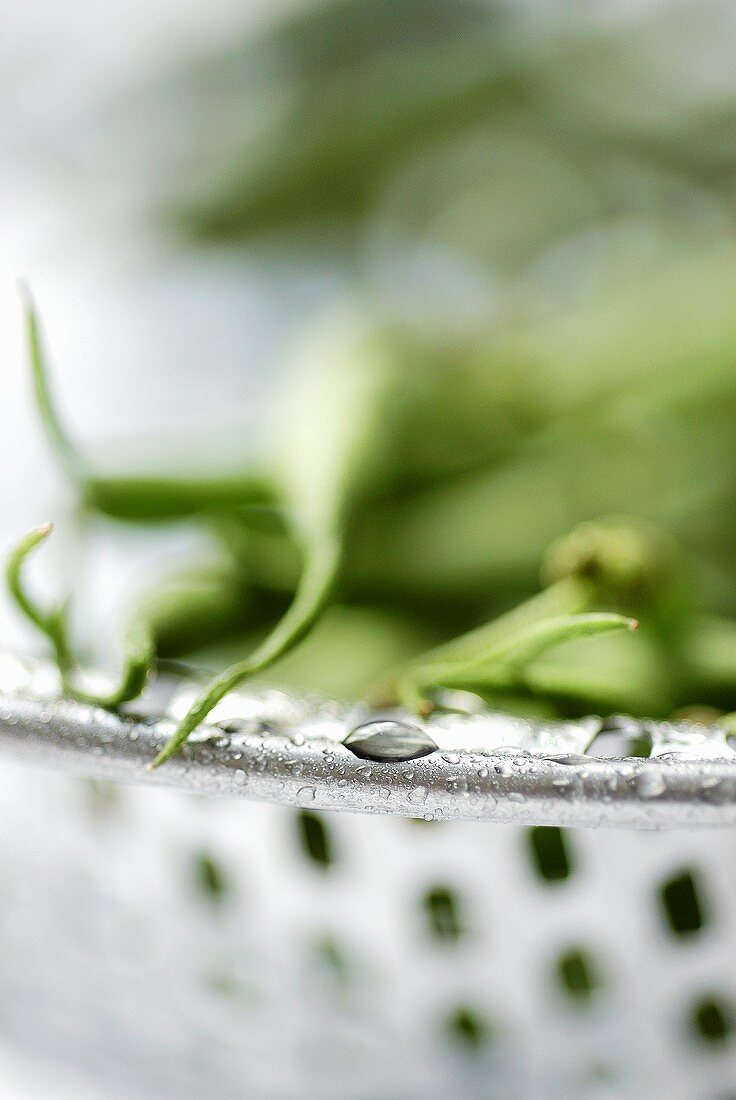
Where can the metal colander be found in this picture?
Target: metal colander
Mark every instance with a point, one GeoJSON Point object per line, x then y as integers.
{"type": "Point", "coordinates": [179, 946]}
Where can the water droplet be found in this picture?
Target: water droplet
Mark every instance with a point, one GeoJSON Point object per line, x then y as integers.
{"type": "Point", "coordinates": [451, 758]}
{"type": "Point", "coordinates": [306, 794]}
{"type": "Point", "coordinates": [418, 794]}
{"type": "Point", "coordinates": [482, 773]}
{"type": "Point", "coordinates": [235, 725]}
{"type": "Point", "coordinates": [388, 740]}
{"type": "Point", "coordinates": [571, 758]}
{"type": "Point", "coordinates": [650, 783]}
{"type": "Point", "coordinates": [240, 777]}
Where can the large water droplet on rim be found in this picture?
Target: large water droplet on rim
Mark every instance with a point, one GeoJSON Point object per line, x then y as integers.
{"type": "Point", "coordinates": [388, 739]}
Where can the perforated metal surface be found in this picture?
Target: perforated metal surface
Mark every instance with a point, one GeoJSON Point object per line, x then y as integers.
{"type": "Point", "coordinates": [181, 947]}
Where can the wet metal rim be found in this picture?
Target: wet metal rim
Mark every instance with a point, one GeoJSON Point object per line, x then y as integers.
{"type": "Point", "coordinates": [277, 747]}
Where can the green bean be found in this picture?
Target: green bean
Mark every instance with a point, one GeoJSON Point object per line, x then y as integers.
{"type": "Point", "coordinates": [134, 498]}
{"type": "Point", "coordinates": [138, 647]}
{"type": "Point", "coordinates": [331, 429]}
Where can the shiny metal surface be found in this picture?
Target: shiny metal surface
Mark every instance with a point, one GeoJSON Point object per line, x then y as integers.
{"type": "Point", "coordinates": [272, 746]}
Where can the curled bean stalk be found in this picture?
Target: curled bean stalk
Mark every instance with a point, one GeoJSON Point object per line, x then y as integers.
{"type": "Point", "coordinates": [138, 646]}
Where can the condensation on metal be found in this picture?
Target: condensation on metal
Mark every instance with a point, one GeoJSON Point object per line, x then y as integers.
{"type": "Point", "coordinates": [277, 747]}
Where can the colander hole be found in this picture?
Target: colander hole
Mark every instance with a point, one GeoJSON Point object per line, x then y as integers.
{"type": "Point", "coordinates": [314, 838]}
{"type": "Point", "coordinates": [442, 911]}
{"type": "Point", "coordinates": [467, 1028]}
{"type": "Point", "coordinates": [210, 879]}
{"type": "Point", "coordinates": [712, 1020]}
{"type": "Point", "coordinates": [577, 974]}
{"type": "Point", "coordinates": [683, 909]}
{"type": "Point", "coordinates": [550, 852]}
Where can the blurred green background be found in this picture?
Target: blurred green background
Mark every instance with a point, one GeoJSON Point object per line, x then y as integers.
{"type": "Point", "coordinates": [527, 207]}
